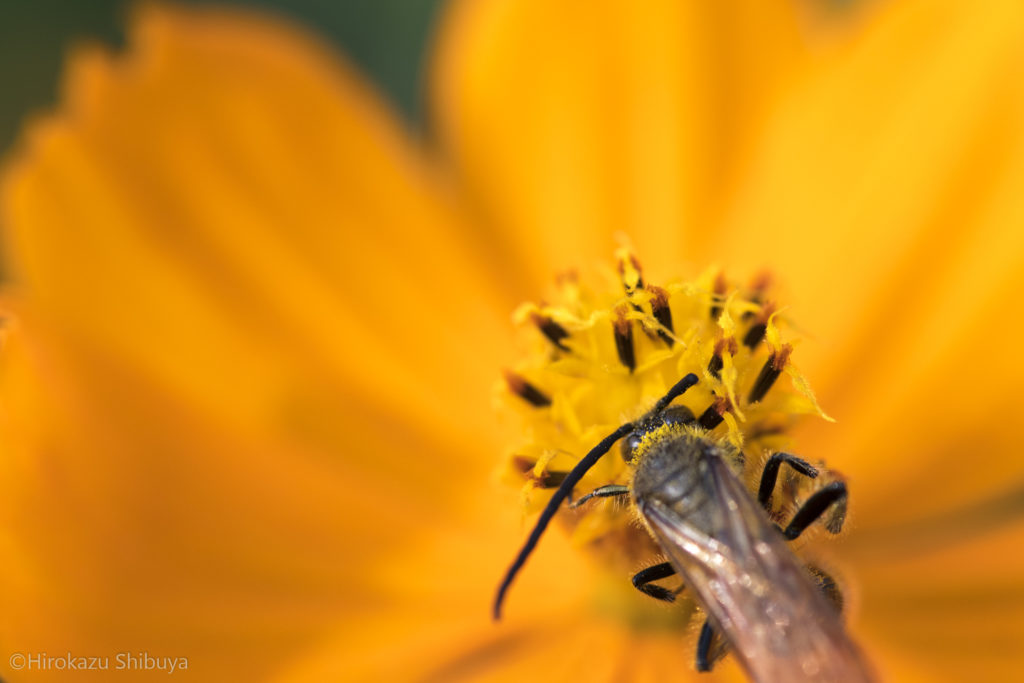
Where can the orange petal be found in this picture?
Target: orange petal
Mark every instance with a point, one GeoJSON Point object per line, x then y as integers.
{"type": "Point", "coordinates": [252, 352]}
{"type": "Point", "coordinates": [435, 622]}
{"type": "Point", "coordinates": [955, 610]}
{"type": "Point", "coordinates": [230, 208]}
{"type": "Point", "coordinates": [570, 121]}
{"type": "Point", "coordinates": [131, 521]}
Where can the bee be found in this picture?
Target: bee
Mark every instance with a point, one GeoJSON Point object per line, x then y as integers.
{"type": "Point", "coordinates": [762, 602]}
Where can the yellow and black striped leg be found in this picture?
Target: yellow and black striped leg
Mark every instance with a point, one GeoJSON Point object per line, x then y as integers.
{"type": "Point", "coordinates": [607, 491]}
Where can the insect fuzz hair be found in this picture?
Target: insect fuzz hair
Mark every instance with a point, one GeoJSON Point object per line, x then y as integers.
{"type": "Point", "coordinates": [671, 462]}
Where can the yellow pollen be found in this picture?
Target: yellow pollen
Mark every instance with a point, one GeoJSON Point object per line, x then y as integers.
{"type": "Point", "coordinates": [657, 434]}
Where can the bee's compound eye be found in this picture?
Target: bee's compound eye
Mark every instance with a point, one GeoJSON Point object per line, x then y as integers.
{"type": "Point", "coordinates": [678, 415]}
{"type": "Point", "coordinates": [630, 444]}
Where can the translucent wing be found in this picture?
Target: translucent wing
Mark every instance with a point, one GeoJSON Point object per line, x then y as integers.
{"type": "Point", "coordinates": [756, 591]}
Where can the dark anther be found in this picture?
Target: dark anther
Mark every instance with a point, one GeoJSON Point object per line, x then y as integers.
{"type": "Point", "coordinates": [719, 290]}
{"type": "Point", "coordinates": [631, 274]}
{"type": "Point", "coordinates": [550, 329]}
{"type": "Point", "coordinates": [758, 430]}
{"type": "Point", "coordinates": [523, 464]}
{"type": "Point", "coordinates": [715, 366]}
{"type": "Point", "coordinates": [712, 417]}
{"type": "Point", "coordinates": [624, 339]}
{"type": "Point", "coordinates": [769, 373]}
{"type": "Point", "coordinates": [632, 280]}
{"type": "Point", "coordinates": [754, 335]}
{"type": "Point", "coordinates": [758, 286]}
{"type": "Point", "coordinates": [526, 391]}
{"type": "Point", "coordinates": [550, 480]}
{"type": "Point", "coordinates": [760, 325]}
{"type": "Point", "coordinates": [722, 346]}
{"type": "Point", "coordinates": [567, 278]}
{"type": "Point", "coordinates": [662, 313]}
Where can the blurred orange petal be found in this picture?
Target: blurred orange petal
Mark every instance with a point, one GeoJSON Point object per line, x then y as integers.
{"type": "Point", "coordinates": [919, 201]}
{"type": "Point", "coordinates": [234, 190]}
{"type": "Point", "coordinates": [570, 121]}
{"type": "Point", "coordinates": [133, 521]}
{"type": "Point", "coordinates": [955, 608]}
{"type": "Point", "coordinates": [209, 361]}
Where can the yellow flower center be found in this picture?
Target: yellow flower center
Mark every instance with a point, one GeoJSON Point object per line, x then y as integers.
{"type": "Point", "coordinates": [601, 356]}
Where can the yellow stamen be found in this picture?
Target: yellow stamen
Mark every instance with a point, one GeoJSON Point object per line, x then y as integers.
{"type": "Point", "coordinates": [604, 354]}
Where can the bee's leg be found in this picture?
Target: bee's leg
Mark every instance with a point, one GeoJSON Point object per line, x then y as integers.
{"type": "Point", "coordinates": [827, 585]}
{"type": "Point", "coordinates": [831, 496]}
{"type": "Point", "coordinates": [710, 647]}
{"type": "Point", "coordinates": [643, 578]}
{"type": "Point", "coordinates": [607, 491]}
{"type": "Point", "coordinates": [770, 474]}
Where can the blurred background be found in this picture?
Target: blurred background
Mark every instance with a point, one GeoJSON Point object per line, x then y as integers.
{"type": "Point", "coordinates": [386, 38]}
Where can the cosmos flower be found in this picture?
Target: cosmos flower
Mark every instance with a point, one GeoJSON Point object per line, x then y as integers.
{"type": "Point", "coordinates": [253, 326]}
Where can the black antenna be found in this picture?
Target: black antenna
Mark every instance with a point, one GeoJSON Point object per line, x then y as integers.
{"type": "Point", "coordinates": [571, 480]}
{"type": "Point", "coordinates": [675, 392]}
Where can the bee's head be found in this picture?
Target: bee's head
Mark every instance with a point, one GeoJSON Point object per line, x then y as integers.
{"type": "Point", "coordinates": [673, 415]}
